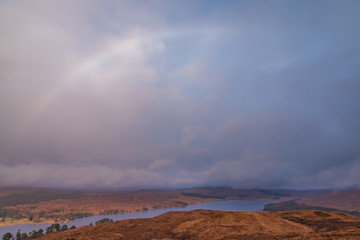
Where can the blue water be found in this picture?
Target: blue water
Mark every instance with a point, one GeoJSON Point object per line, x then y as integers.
{"type": "Point", "coordinates": [233, 206]}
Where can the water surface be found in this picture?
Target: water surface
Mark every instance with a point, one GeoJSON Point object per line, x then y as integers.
{"type": "Point", "coordinates": [234, 206]}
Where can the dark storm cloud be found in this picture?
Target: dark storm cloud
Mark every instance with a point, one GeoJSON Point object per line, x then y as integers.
{"type": "Point", "coordinates": [133, 94]}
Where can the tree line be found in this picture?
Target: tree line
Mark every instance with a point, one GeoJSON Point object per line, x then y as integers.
{"type": "Point", "coordinates": [52, 228]}
{"type": "Point", "coordinates": [35, 234]}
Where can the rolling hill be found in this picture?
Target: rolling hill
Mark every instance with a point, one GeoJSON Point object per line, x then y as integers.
{"type": "Point", "coordinates": [216, 225]}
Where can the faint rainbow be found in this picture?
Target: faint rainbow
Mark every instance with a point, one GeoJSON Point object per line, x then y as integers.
{"type": "Point", "coordinates": [41, 103]}
{"type": "Point", "coordinates": [80, 73]}
{"type": "Point", "coordinates": [36, 107]}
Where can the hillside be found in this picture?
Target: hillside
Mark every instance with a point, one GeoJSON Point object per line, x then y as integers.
{"type": "Point", "coordinates": [338, 201]}
{"type": "Point", "coordinates": [345, 200]}
{"type": "Point", "coordinates": [206, 224]}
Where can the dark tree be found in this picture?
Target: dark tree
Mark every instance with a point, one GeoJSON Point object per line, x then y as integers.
{"type": "Point", "coordinates": [49, 229]}
{"type": "Point", "coordinates": [104, 220]}
{"type": "Point", "coordinates": [7, 236]}
{"type": "Point", "coordinates": [18, 235]}
{"type": "Point", "coordinates": [64, 227]}
{"type": "Point", "coordinates": [33, 234]}
{"type": "Point", "coordinates": [24, 236]}
{"type": "Point", "coordinates": [40, 232]}
{"type": "Point", "coordinates": [72, 227]}
{"type": "Point", "coordinates": [56, 226]}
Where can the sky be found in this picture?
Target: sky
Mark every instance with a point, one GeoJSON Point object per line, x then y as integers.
{"type": "Point", "coordinates": [172, 94]}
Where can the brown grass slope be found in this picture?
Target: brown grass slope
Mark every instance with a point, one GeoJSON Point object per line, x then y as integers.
{"type": "Point", "coordinates": [345, 200]}
{"type": "Point", "coordinates": [207, 224]}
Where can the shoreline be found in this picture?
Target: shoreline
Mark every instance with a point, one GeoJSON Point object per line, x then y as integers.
{"type": "Point", "coordinates": [24, 221]}
{"type": "Point", "coordinates": [65, 221]}
{"type": "Point", "coordinates": [127, 209]}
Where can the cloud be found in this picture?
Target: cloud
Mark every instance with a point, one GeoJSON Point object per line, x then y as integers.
{"type": "Point", "coordinates": [178, 94]}
{"type": "Point", "coordinates": [89, 176]}
{"type": "Point", "coordinates": [335, 176]}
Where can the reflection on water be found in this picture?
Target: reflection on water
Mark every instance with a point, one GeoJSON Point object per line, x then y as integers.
{"type": "Point", "coordinates": [235, 206]}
